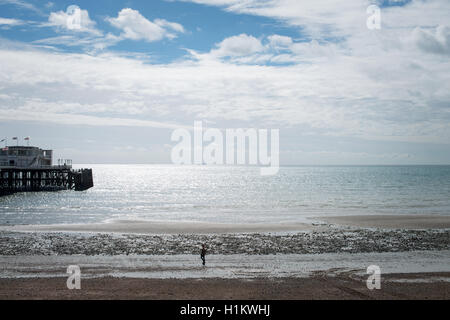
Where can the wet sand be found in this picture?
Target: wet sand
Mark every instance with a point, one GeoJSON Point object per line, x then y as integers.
{"type": "Point", "coordinates": [392, 221]}
{"type": "Point", "coordinates": [224, 266]}
{"type": "Point", "coordinates": [409, 275]}
{"type": "Point", "coordinates": [158, 227]}
{"type": "Point", "coordinates": [316, 224]}
{"type": "Point", "coordinates": [319, 286]}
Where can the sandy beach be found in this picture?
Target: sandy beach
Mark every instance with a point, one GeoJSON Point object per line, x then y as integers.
{"type": "Point", "coordinates": [315, 224]}
{"type": "Point", "coordinates": [158, 227]}
{"type": "Point", "coordinates": [393, 221]}
{"type": "Point", "coordinates": [317, 287]}
{"type": "Point", "coordinates": [414, 275]}
{"type": "Point", "coordinates": [323, 259]}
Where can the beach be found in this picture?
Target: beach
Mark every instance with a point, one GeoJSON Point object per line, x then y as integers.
{"type": "Point", "coordinates": [393, 221]}
{"type": "Point", "coordinates": [315, 224]}
{"type": "Point", "coordinates": [317, 287]}
{"type": "Point", "coordinates": [322, 259]}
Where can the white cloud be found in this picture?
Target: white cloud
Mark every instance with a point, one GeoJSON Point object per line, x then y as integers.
{"type": "Point", "coordinates": [134, 26]}
{"type": "Point", "coordinates": [336, 18]}
{"type": "Point", "coordinates": [280, 42]}
{"type": "Point", "coordinates": [316, 17]}
{"type": "Point", "coordinates": [245, 49]}
{"type": "Point", "coordinates": [77, 119]}
{"type": "Point", "coordinates": [434, 41]}
{"type": "Point", "coordinates": [340, 97]}
{"type": "Point", "coordinates": [10, 22]}
{"type": "Point", "coordinates": [170, 25]}
{"type": "Point", "coordinates": [238, 49]}
{"type": "Point", "coordinates": [90, 43]}
{"type": "Point", "coordinates": [21, 4]}
{"type": "Point", "coordinates": [131, 22]}
{"type": "Point", "coordinates": [236, 46]}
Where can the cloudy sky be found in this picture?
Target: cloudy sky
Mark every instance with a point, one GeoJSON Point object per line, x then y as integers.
{"type": "Point", "coordinates": [114, 88]}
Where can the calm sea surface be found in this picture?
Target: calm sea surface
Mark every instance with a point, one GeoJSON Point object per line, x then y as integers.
{"type": "Point", "coordinates": [236, 194]}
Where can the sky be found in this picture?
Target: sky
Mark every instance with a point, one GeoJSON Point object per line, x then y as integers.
{"type": "Point", "coordinates": [113, 87]}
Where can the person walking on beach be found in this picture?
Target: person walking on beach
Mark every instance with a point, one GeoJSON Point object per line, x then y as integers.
{"type": "Point", "coordinates": [203, 254]}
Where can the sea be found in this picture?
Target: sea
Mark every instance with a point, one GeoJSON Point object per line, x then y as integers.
{"type": "Point", "coordinates": [234, 194]}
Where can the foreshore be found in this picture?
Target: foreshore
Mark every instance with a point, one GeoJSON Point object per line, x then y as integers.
{"type": "Point", "coordinates": [323, 259]}
{"type": "Point", "coordinates": [393, 221]}
{"type": "Point", "coordinates": [313, 224]}
{"type": "Point", "coordinates": [317, 287]}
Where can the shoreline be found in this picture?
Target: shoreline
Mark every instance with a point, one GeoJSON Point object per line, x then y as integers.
{"type": "Point", "coordinates": [160, 228]}
{"type": "Point", "coordinates": [412, 222]}
{"type": "Point", "coordinates": [392, 221]}
{"type": "Point", "coordinates": [339, 234]}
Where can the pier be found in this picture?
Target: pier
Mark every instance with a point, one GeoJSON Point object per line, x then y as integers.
{"type": "Point", "coordinates": [44, 179]}
{"type": "Point", "coordinates": [30, 169]}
